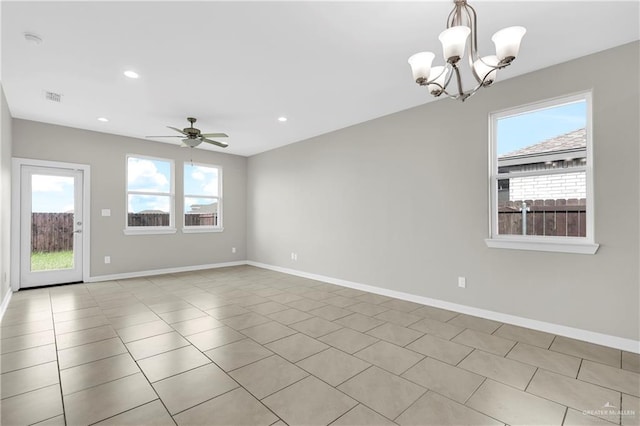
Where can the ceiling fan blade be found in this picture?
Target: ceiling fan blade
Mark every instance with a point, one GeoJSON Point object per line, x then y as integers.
{"type": "Point", "coordinates": [178, 130]}
{"type": "Point", "coordinates": [214, 135]}
{"type": "Point", "coordinates": [220, 144]}
{"type": "Point", "coordinates": [163, 136]}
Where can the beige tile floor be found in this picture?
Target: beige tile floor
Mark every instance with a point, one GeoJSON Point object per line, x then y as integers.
{"type": "Point", "coordinates": [248, 346]}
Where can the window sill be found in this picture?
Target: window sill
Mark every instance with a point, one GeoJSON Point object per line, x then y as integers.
{"type": "Point", "coordinates": [579, 247]}
{"type": "Point", "coordinates": [149, 231]}
{"type": "Point", "coordinates": [201, 229]}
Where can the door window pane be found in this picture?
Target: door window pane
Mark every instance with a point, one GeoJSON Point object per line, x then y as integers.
{"type": "Point", "coordinates": [52, 217]}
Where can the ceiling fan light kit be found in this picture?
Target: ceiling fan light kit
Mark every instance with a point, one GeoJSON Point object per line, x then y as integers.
{"type": "Point", "coordinates": [461, 25]}
{"type": "Point", "coordinates": [194, 137]}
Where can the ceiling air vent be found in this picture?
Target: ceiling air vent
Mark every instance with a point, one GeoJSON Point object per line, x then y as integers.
{"type": "Point", "coordinates": [53, 97]}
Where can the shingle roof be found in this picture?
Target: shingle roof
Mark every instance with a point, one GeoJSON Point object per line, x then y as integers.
{"type": "Point", "coordinates": [576, 139]}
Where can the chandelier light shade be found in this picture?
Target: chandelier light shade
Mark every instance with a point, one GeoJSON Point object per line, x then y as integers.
{"type": "Point", "coordinates": [421, 65]}
{"type": "Point", "coordinates": [461, 25]}
{"type": "Point", "coordinates": [507, 42]}
{"type": "Point", "coordinates": [486, 66]}
{"type": "Point", "coordinates": [438, 77]}
{"type": "Point", "coordinates": [453, 41]}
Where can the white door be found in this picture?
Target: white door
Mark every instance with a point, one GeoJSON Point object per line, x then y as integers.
{"type": "Point", "coordinates": [51, 223]}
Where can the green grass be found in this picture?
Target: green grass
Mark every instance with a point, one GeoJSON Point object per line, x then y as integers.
{"type": "Point", "coordinates": [41, 261]}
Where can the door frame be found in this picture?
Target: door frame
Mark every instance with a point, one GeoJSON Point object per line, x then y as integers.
{"type": "Point", "coordinates": [16, 185]}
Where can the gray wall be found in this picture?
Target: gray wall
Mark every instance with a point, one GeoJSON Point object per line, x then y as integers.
{"type": "Point", "coordinates": [400, 202]}
{"type": "Point", "coordinates": [5, 195]}
{"type": "Point", "coordinates": [106, 155]}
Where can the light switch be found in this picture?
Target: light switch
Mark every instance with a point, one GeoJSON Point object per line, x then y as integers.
{"type": "Point", "coordinates": [106, 212]}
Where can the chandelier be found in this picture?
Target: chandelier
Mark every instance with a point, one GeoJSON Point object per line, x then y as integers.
{"type": "Point", "coordinates": [460, 24]}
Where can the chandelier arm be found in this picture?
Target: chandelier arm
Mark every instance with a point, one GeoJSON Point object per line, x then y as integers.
{"type": "Point", "coordinates": [473, 49]}
{"type": "Point", "coordinates": [466, 95]}
{"type": "Point", "coordinates": [473, 18]}
{"type": "Point", "coordinates": [453, 15]}
{"type": "Point", "coordinates": [458, 79]}
{"type": "Point", "coordinates": [449, 76]}
{"type": "Point", "coordinates": [473, 69]}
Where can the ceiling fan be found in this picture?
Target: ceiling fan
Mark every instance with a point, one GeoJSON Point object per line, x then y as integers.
{"type": "Point", "coordinates": [194, 137]}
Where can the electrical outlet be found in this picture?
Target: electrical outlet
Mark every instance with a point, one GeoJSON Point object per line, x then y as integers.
{"type": "Point", "coordinates": [106, 212]}
{"type": "Point", "coordinates": [294, 256]}
{"type": "Point", "coordinates": [233, 249]}
{"type": "Point", "coordinates": [107, 259]}
{"type": "Point", "coordinates": [462, 282]}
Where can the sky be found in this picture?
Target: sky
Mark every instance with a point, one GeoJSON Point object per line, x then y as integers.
{"type": "Point", "coordinates": [518, 131]}
{"type": "Point", "coordinates": [54, 194]}
{"type": "Point", "coordinates": [149, 175]}
{"type": "Point", "coordinates": [155, 176]}
{"type": "Point", "coordinates": [51, 194]}
{"type": "Point", "coordinates": [199, 180]}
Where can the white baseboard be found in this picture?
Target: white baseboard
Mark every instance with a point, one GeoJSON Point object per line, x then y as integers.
{"type": "Point", "coordinates": [138, 274]}
{"type": "Point", "coordinates": [5, 302]}
{"type": "Point", "coordinates": [561, 330]}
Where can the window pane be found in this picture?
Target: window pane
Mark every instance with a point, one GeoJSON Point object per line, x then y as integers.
{"type": "Point", "coordinates": [145, 174]}
{"type": "Point", "coordinates": [52, 214]}
{"type": "Point", "coordinates": [201, 212]}
{"type": "Point", "coordinates": [545, 132]}
{"type": "Point", "coordinates": [553, 204]}
{"type": "Point", "coordinates": [200, 180]}
{"type": "Point", "coordinates": [149, 210]}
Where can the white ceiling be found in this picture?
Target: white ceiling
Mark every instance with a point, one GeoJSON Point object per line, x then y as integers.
{"type": "Point", "coordinates": [238, 66]}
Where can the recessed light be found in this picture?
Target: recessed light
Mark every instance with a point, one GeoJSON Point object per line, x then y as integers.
{"type": "Point", "coordinates": [103, 119]}
{"type": "Point", "coordinates": [131, 74]}
{"type": "Point", "coordinates": [282, 119]}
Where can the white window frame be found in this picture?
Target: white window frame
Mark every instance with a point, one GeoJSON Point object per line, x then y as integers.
{"type": "Point", "coordinates": [581, 245]}
{"type": "Point", "coordinates": [148, 230]}
{"type": "Point", "coordinates": [197, 229]}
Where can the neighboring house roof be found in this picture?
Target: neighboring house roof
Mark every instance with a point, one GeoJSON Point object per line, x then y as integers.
{"type": "Point", "coordinates": [204, 208]}
{"type": "Point", "coordinates": [151, 211]}
{"type": "Point", "coordinates": [572, 141]}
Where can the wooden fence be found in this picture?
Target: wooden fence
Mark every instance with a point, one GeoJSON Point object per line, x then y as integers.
{"type": "Point", "coordinates": [148, 219]}
{"type": "Point", "coordinates": [201, 219]}
{"type": "Point", "coordinates": [563, 218]}
{"type": "Point", "coordinates": [51, 232]}
{"type": "Point", "coordinates": [162, 219]}
{"type": "Point", "coordinates": [54, 231]}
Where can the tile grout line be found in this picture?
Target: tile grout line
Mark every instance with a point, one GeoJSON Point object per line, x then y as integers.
{"type": "Point", "coordinates": [579, 368]}
{"type": "Point", "coordinates": [131, 409]}
{"type": "Point", "coordinates": [531, 380]}
{"type": "Point", "coordinates": [427, 390]}
{"type": "Point", "coordinates": [564, 417]}
{"type": "Point", "coordinates": [55, 340]}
